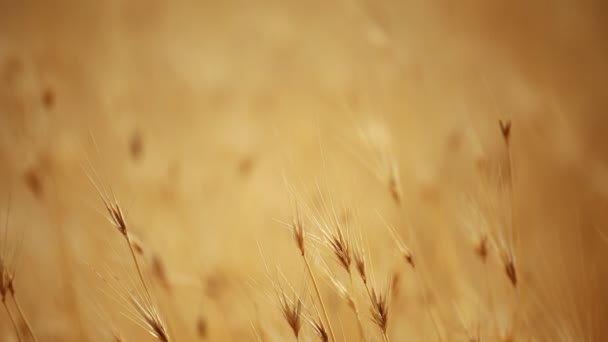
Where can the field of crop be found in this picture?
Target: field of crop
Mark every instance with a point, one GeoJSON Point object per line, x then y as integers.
{"type": "Point", "coordinates": [347, 170]}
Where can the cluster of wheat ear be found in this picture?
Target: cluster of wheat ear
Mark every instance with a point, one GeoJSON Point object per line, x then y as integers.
{"type": "Point", "coordinates": [323, 231]}
{"type": "Point", "coordinates": [338, 268]}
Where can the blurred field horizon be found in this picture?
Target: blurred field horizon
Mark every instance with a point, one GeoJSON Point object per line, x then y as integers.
{"type": "Point", "coordinates": [217, 124]}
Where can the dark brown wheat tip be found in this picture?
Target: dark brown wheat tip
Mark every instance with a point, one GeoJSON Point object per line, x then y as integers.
{"type": "Point", "coordinates": [481, 249]}
{"type": "Point", "coordinates": [318, 326]}
{"type": "Point", "coordinates": [395, 281]}
{"type": "Point", "coordinates": [136, 244]}
{"type": "Point", "coordinates": [292, 312]}
{"type": "Point", "coordinates": [6, 280]}
{"type": "Point", "coordinates": [116, 216]}
{"type": "Point", "coordinates": [201, 327]}
{"type": "Point", "coordinates": [403, 249]}
{"type": "Point", "coordinates": [341, 248]}
{"type": "Point", "coordinates": [505, 129]}
{"type": "Point", "coordinates": [394, 185]}
{"type": "Point", "coordinates": [379, 309]}
{"type": "Point", "coordinates": [319, 329]}
{"type": "Point", "coordinates": [298, 232]}
{"type": "Point", "coordinates": [360, 265]}
{"type": "Point", "coordinates": [7, 263]}
{"type": "Point", "coordinates": [393, 188]}
{"type": "Point", "coordinates": [409, 258]}
{"type": "Point", "coordinates": [159, 271]}
{"type": "Point", "coordinates": [150, 320]}
{"type": "Point", "coordinates": [511, 272]}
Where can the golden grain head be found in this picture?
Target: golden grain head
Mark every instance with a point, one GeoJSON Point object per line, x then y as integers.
{"type": "Point", "coordinates": [505, 129]}
{"type": "Point", "coordinates": [341, 248]}
{"type": "Point", "coordinates": [6, 280]}
{"type": "Point", "coordinates": [298, 233]}
{"type": "Point", "coordinates": [319, 329]}
{"type": "Point", "coordinates": [147, 317]}
{"type": "Point", "coordinates": [291, 309]}
{"type": "Point", "coordinates": [481, 248]}
{"type": "Point", "coordinates": [394, 189]}
{"type": "Point", "coordinates": [380, 308]}
{"type": "Point", "coordinates": [215, 117]}
{"type": "Point", "coordinates": [116, 216]}
{"type": "Point", "coordinates": [159, 271]}
{"type": "Point", "coordinates": [511, 272]}
{"type": "Point", "coordinates": [360, 264]}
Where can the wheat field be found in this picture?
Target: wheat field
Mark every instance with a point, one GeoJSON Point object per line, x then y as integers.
{"type": "Point", "coordinates": [347, 170]}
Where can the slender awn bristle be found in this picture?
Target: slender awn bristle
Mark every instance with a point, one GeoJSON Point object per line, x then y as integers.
{"type": "Point", "coordinates": [292, 312]}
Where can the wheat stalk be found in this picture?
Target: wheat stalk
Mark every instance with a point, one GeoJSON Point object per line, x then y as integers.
{"type": "Point", "coordinates": [299, 236]}
{"type": "Point", "coordinates": [8, 261]}
{"type": "Point", "coordinates": [145, 310]}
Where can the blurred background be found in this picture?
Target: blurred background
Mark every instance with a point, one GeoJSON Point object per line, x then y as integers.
{"type": "Point", "coordinates": [198, 113]}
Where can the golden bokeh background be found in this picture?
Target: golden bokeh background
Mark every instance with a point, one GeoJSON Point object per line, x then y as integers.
{"type": "Point", "coordinates": [198, 113]}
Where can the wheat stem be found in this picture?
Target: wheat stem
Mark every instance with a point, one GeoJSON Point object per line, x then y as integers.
{"type": "Point", "coordinates": [141, 275]}
{"type": "Point", "coordinates": [12, 319]}
{"type": "Point", "coordinates": [24, 318]}
{"type": "Point", "coordinates": [139, 272]}
{"type": "Point", "coordinates": [316, 286]}
{"type": "Point", "coordinates": [356, 310]}
{"type": "Point", "coordinates": [371, 298]}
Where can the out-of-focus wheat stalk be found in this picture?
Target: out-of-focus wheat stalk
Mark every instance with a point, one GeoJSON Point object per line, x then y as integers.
{"type": "Point", "coordinates": [508, 256]}
{"type": "Point", "coordinates": [8, 262]}
{"type": "Point", "coordinates": [139, 307]}
{"type": "Point", "coordinates": [299, 234]}
{"type": "Point", "coordinates": [144, 308]}
{"type": "Point", "coordinates": [408, 257]}
{"type": "Point", "coordinates": [7, 266]}
{"type": "Point", "coordinates": [379, 308]}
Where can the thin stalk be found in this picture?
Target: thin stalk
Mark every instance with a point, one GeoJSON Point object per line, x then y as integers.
{"type": "Point", "coordinates": [314, 282]}
{"type": "Point", "coordinates": [424, 294]}
{"type": "Point", "coordinates": [12, 319]}
{"type": "Point", "coordinates": [139, 272]}
{"type": "Point", "coordinates": [24, 318]}
{"type": "Point", "coordinates": [359, 323]}
{"type": "Point", "coordinates": [506, 133]}
{"type": "Point", "coordinates": [369, 294]}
